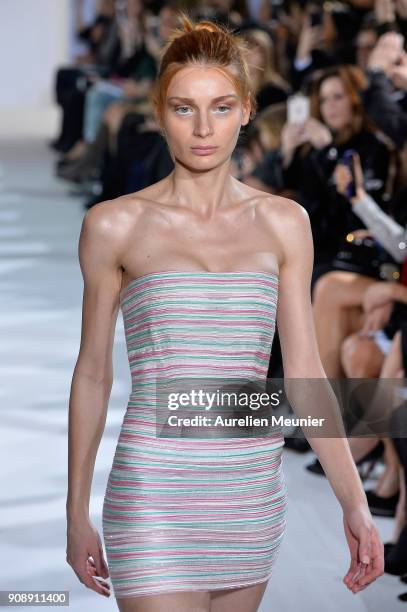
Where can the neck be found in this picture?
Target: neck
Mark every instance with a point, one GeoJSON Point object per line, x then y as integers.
{"type": "Point", "coordinates": [346, 133]}
{"type": "Point", "coordinates": [205, 193]}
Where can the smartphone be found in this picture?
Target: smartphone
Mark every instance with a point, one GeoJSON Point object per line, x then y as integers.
{"type": "Point", "coordinates": [347, 160]}
{"type": "Point", "coordinates": [298, 108]}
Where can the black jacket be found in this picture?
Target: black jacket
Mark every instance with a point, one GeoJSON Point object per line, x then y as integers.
{"type": "Point", "coordinates": [386, 107]}
{"type": "Point", "coordinates": [310, 176]}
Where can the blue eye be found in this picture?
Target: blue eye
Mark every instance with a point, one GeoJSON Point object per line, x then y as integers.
{"type": "Point", "coordinates": [179, 109]}
{"type": "Point", "coordinates": [224, 106]}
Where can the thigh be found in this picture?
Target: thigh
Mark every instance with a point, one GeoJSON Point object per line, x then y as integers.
{"type": "Point", "coordinates": [245, 599]}
{"type": "Point", "coordinates": [170, 602]}
{"type": "Point", "coordinates": [345, 289]}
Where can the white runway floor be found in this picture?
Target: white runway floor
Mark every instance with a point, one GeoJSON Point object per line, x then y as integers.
{"type": "Point", "coordinates": [41, 289]}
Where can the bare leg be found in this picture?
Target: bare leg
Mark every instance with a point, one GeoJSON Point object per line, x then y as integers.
{"type": "Point", "coordinates": [337, 299]}
{"type": "Point", "coordinates": [389, 482]}
{"type": "Point", "coordinates": [191, 601]}
{"type": "Point", "coordinates": [244, 599]}
{"type": "Point", "coordinates": [361, 358]}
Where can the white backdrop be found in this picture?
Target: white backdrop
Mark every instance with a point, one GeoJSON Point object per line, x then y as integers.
{"type": "Point", "coordinates": [35, 38]}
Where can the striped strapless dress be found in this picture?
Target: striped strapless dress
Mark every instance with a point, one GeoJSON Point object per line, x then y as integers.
{"type": "Point", "coordinates": [194, 514]}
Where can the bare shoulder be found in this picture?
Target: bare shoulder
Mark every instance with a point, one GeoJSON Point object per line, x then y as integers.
{"type": "Point", "coordinates": [113, 220]}
{"type": "Point", "coordinates": [283, 215]}
{"type": "Point", "coordinates": [289, 226]}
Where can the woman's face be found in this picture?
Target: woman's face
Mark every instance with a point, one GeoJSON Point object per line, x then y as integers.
{"type": "Point", "coordinates": [335, 104]}
{"type": "Point", "coordinates": [203, 109]}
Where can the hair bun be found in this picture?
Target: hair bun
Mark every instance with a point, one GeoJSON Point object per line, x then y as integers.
{"type": "Point", "coordinates": [187, 25]}
{"type": "Point", "coordinates": [188, 44]}
{"type": "Point", "coordinates": [208, 25]}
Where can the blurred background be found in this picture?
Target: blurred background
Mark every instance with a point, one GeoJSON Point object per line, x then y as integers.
{"type": "Point", "coordinates": [77, 128]}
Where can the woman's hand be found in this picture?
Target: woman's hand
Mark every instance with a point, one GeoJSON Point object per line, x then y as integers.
{"type": "Point", "coordinates": [343, 178]}
{"type": "Point", "coordinates": [376, 319]}
{"type": "Point", "coordinates": [387, 52]}
{"type": "Point", "coordinates": [366, 549]}
{"type": "Point", "coordinates": [84, 553]}
{"type": "Point", "coordinates": [311, 37]}
{"type": "Point", "coordinates": [317, 133]}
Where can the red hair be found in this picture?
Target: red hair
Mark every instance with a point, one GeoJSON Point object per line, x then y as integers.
{"type": "Point", "coordinates": [203, 43]}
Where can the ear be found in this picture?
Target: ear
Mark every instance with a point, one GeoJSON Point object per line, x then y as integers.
{"type": "Point", "coordinates": [157, 118]}
{"type": "Point", "coordinates": [246, 112]}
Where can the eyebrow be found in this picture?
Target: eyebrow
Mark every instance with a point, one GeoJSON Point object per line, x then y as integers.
{"type": "Point", "coordinates": [214, 100]}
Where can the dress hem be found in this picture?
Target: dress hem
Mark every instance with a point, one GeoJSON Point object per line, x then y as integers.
{"type": "Point", "coordinates": [187, 589]}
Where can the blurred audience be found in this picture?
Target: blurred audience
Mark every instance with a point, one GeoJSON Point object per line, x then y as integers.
{"type": "Point", "coordinates": [330, 80]}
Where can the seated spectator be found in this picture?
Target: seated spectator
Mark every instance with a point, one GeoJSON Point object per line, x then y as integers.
{"type": "Point", "coordinates": [367, 324]}
{"type": "Point", "coordinates": [132, 74]}
{"type": "Point", "coordinates": [95, 157]}
{"type": "Point", "coordinates": [72, 82]}
{"type": "Point", "coordinates": [310, 151]}
{"type": "Point", "coordinates": [385, 98]}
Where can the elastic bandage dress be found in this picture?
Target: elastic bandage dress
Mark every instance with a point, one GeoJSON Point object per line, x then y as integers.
{"type": "Point", "coordinates": [193, 514]}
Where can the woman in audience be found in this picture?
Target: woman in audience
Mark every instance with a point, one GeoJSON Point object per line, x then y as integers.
{"type": "Point", "coordinates": [133, 73]}
{"type": "Point", "coordinates": [269, 87]}
{"type": "Point", "coordinates": [71, 83]}
{"type": "Point", "coordinates": [107, 102]}
{"type": "Point", "coordinates": [103, 151]}
{"type": "Point", "coordinates": [310, 151]}
{"type": "Point", "coordinates": [371, 341]}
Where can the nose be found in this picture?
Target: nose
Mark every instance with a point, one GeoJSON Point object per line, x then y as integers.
{"type": "Point", "coordinates": [203, 126]}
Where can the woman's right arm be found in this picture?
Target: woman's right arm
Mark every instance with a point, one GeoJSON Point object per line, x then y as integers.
{"type": "Point", "coordinates": [99, 255]}
{"type": "Point", "coordinates": [386, 230]}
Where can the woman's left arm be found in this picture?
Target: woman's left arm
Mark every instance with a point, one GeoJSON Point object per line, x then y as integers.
{"type": "Point", "coordinates": [301, 360]}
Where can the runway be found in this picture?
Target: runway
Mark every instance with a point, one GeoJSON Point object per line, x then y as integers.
{"type": "Point", "coordinates": [41, 288]}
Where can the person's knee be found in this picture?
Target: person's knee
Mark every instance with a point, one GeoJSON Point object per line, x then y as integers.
{"type": "Point", "coordinates": [326, 288]}
{"type": "Point", "coordinates": [359, 357]}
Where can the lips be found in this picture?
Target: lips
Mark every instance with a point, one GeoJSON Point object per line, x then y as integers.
{"type": "Point", "coordinates": [203, 151]}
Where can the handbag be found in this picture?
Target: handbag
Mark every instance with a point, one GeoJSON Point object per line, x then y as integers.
{"type": "Point", "coordinates": [365, 255]}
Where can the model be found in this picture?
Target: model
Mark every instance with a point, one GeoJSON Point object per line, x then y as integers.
{"type": "Point", "coordinates": [202, 267]}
